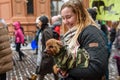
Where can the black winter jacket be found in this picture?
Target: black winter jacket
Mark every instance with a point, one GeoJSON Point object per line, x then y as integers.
{"type": "Point", "coordinates": [92, 39]}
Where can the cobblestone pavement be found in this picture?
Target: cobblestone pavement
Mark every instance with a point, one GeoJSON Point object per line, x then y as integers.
{"type": "Point", "coordinates": [23, 69]}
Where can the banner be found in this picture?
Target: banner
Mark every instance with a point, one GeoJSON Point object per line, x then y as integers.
{"type": "Point", "coordinates": [108, 10]}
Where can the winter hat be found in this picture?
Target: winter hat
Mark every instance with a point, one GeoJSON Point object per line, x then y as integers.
{"type": "Point", "coordinates": [43, 19]}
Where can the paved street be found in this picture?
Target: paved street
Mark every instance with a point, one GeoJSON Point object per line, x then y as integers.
{"type": "Point", "coordinates": [23, 69]}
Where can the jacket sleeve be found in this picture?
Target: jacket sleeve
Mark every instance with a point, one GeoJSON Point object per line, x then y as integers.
{"type": "Point", "coordinates": [94, 42]}
{"type": "Point", "coordinates": [47, 34]}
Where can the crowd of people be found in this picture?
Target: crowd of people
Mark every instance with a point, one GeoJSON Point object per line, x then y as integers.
{"type": "Point", "coordinates": [84, 33]}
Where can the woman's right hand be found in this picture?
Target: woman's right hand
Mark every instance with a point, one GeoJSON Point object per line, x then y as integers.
{"type": "Point", "coordinates": [56, 69]}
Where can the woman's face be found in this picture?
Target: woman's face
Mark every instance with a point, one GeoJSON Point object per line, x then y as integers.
{"type": "Point", "coordinates": [68, 17]}
{"type": "Point", "coordinates": [39, 24]}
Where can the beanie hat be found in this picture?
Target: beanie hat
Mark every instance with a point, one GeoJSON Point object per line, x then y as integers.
{"type": "Point", "coordinates": [43, 19]}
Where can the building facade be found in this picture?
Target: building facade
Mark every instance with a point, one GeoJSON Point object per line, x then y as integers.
{"type": "Point", "coordinates": [26, 12]}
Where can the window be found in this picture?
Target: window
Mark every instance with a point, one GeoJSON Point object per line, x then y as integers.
{"type": "Point", "coordinates": [30, 8]}
{"type": "Point", "coordinates": [55, 7]}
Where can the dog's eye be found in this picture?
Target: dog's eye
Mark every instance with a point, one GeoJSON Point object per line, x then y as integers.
{"type": "Point", "coordinates": [50, 46]}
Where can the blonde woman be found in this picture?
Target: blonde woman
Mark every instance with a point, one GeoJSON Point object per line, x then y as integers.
{"type": "Point", "coordinates": [84, 33]}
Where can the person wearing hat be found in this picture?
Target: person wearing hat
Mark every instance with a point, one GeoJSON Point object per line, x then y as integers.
{"type": "Point", "coordinates": [19, 39]}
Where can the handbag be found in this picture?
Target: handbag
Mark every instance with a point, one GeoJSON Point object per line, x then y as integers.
{"type": "Point", "coordinates": [34, 44]}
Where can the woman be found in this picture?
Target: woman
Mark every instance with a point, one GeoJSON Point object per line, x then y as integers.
{"type": "Point", "coordinates": [84, 32]}
{"type": "Point", "coordinates": [44, 63]}
{"type": "Point", "coordinates": [19, 39]}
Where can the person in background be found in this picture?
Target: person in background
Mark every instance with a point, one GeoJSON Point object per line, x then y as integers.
{"type": "Point", "coordinates": [38, 38]}
{"type": "Point", "coordinates": [19, 39]}
{"type": "Point", "coordinates": [44, 34]}
{"type": "Point", "coordinates": [104, 29]}
{"type": "Point", "coordinates": [113, 33]}
{"type": "Point", "coordinates": [56, 23]}
{"type": "Point", "coordinates": [117, 48]}
{"type": "Point", "coordinates": [37, 35]}
{"type": "Point", "coordinates": [6, 62]}
{"type": "Point", "coordinates": [85, 33]}
{"type": "Point", "coordinates": [93, 12]}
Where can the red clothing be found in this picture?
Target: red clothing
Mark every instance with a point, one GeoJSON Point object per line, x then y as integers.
{"type": "Point", "coordinates": [57, 29]}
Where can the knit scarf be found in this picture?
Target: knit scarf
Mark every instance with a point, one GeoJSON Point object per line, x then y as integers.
{"type": "Point", "coordinates": [73, 45]}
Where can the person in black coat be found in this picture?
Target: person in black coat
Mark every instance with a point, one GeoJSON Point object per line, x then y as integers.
{"type": "Point", "coordinates": [83, 32]}
{"type": "Point", "coordinates": [93, 12]}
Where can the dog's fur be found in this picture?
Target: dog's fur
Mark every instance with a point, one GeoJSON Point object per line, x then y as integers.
{"type": "Point", "coordinates": [53, 47]}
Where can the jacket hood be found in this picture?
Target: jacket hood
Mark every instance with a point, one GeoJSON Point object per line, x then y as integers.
{"type": "Point", "coordinates": [16, 25]}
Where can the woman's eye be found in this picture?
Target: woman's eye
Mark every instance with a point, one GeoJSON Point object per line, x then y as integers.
{"type": "Point", "coordinates": [67, 17]}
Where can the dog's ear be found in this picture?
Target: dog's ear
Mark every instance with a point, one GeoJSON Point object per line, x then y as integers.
{"type": "Point", "coordinates": [59, 43]}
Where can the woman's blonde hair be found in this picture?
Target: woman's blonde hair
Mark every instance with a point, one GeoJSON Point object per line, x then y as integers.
{"type": "Point", "coordinates": [83, 17]}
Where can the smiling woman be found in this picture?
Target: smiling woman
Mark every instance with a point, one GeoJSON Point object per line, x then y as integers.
{"type": "Point", "coordinates": [85, 33]}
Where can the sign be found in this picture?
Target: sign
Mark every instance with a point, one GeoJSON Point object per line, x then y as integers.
{"type": "Point", "coordinates": [108, 10]}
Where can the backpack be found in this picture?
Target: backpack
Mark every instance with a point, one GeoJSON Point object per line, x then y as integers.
{"type": "Point", "coordinates": [22, 29]}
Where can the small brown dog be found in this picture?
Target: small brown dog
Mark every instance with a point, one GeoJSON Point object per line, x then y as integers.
{"type": "Point", "coordinates": [53, 47]}
{"type": "Point", "coordinates": [33, 76]}
{"type": "Point", "coordinates": [65, 61]}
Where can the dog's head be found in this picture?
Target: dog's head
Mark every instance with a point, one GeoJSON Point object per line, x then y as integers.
{"type": "Point", "coordinates": [53, 47]}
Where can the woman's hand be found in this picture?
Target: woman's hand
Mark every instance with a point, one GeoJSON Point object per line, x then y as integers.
{"type": "Point", "coordinates": [63, 74]}
{"type": "Point", "coordinates": [56, 69]}
{"type": "Point", "coordinates": [60, 72]}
